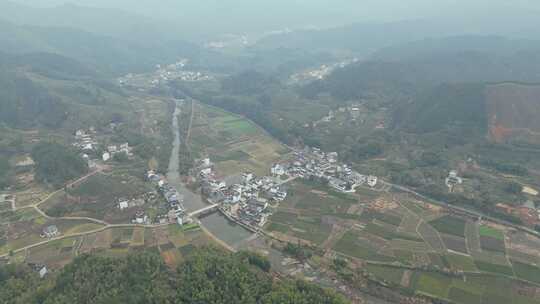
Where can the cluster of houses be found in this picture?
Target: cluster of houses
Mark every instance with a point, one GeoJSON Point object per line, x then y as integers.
{"type": "Point", "coordinates": [165, 73]}
{"type": "Point", "coordinates": [50, 231]}
{"type": "Point", "coordinates": [453, 179]}
{"type": "Point", "coordinates": [125, 203]}
{"type": "Point", "coordinates": [246, 201]}
{"type": "Point", "coordinates": [115, 149]}
{"type": "Point", "coordinates": [314, 163]}
{"type": "Point", "coordinates": [86, 142]}
{"type": "Point", "coordinates": [176, 210]}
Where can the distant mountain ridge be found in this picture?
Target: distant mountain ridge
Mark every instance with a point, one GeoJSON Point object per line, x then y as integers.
{"type": "Point", "coordinates": [106, 22]}
{"type": "Point", "coordinates": [107, 54]}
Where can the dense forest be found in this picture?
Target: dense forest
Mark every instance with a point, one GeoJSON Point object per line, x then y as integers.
{"type": "Point", "coordinates": [209, 276]}
{"type": "Point", "coordinates": [25, 104]}
{"type": "Point", "coordinates": [57, 164]}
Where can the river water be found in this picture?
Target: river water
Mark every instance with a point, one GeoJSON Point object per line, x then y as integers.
{"type": "Point", "coordinates": [225, 230]}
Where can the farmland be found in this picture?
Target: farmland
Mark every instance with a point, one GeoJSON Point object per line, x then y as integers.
{"type": "Point", "coordinates": [232, 142]}
{"type": "Point", "coordinates": [26, 226]}
{"type": "Point", "coordinates": [97, 197]}
{"type": "Point", "coordinates": [171, 242]}
{"type": "Point", "coordinates": [396, 236]}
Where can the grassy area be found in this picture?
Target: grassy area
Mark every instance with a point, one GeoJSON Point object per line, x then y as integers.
{"type": "Point", "coordinates": [490, 232]}
{"type": "Point", "coordinates": [450, 225]}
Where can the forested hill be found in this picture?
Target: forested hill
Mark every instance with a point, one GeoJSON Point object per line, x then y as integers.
{"type": "Point", "coordinates": [209, 276]}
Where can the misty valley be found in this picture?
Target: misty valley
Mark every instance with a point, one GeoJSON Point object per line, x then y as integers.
{"type": "Point", "coordinates": [305, 152]}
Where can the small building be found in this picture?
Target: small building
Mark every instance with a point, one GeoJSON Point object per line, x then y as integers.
{"type": "Point", "coordinates": [372, 181]}
{"type": "Point", "coordinates": [112, 149]}
{"type": "Point", "coordinates": [206, 172]}
{"type": "Point", "coordinates": [277, 170]}
{"type": "Point", "coordinates": [43, 272]}
{"type": "Point", "coordinates": [106, 156]}
{"type": "Point", "coordinates": [206, 162]}
{"type": "Point", "coordinates": [50, 231]}
{"type": "Point", "coordinates": [123, 204]}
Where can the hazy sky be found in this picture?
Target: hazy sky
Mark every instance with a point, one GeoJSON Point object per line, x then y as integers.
{"type": "Point", "coordinates": [261, 15]}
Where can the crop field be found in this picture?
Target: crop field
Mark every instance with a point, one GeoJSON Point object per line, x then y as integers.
{"type": "Point", "coordinates": [472, 237]}
{"type": "Point", "coordinates": [494, 268]}
{"type": "Point", "coordinates": [460, 262]}
{"type": "Point", "coordinates": [232, 142]}
{"type": "Point", "coordinates": [454, 243]}
{"type": "Point", "coordinates": [117, 242]}
{"type": "Point", "coordinates": [97, 198]}
{"type": "Point", "coordinates": [389, 274]}
{"type": "Point", "coordinates": [353, 245]}
{"type": "Point", "coordinates": [473, 288]}
{"type": "Point", "coordinates": [492, 244]}
{"type": "Point", "coordinates": [305, 212]}
{"type": "Point", "coordinates": [450, 225]}
{"type": "Point", "coordinates": [526, 272]}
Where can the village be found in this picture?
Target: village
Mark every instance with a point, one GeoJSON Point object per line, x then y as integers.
{"type": "Point", "coordinates": [91, 149]}
{"type": "Point", "coordinates": [163, 74]}
{"type": "Point", "coordinates": [247, 202]}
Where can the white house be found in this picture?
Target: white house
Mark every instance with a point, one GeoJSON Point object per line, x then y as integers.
{"type": "Point", "coordinates": [50, 231]}
{"type": "Point", "coordinates": [123, 204]}
{"type": "Point", "coordinates": [206, 171]}
{"type": "Point", "coordinates": [277, 170]}
{"type": "Point", "coordinates": [106, 156]}
{"type": "Point", "coordinates": [372, 181]}
{"type": "Point", "coordinates": [42, 272]}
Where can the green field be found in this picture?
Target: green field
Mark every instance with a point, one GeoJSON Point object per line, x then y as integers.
{"type": "Point", "coordinates": [351, 245]}
{"type": "Point", "coordinates": [491, 232]}
{"type": "Point", "coordinates": [433, 284]}
{"type": "Point", "coordinates": [450, 225]}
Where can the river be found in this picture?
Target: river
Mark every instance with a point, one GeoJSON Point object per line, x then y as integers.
{"type": "Point", "coordinates": [217, 224]}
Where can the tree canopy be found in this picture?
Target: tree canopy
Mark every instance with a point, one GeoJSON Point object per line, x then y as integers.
{"type": "Point", "coordinates": [208, 276]}
{"type": "Point", "coordinates": [56, 164]}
